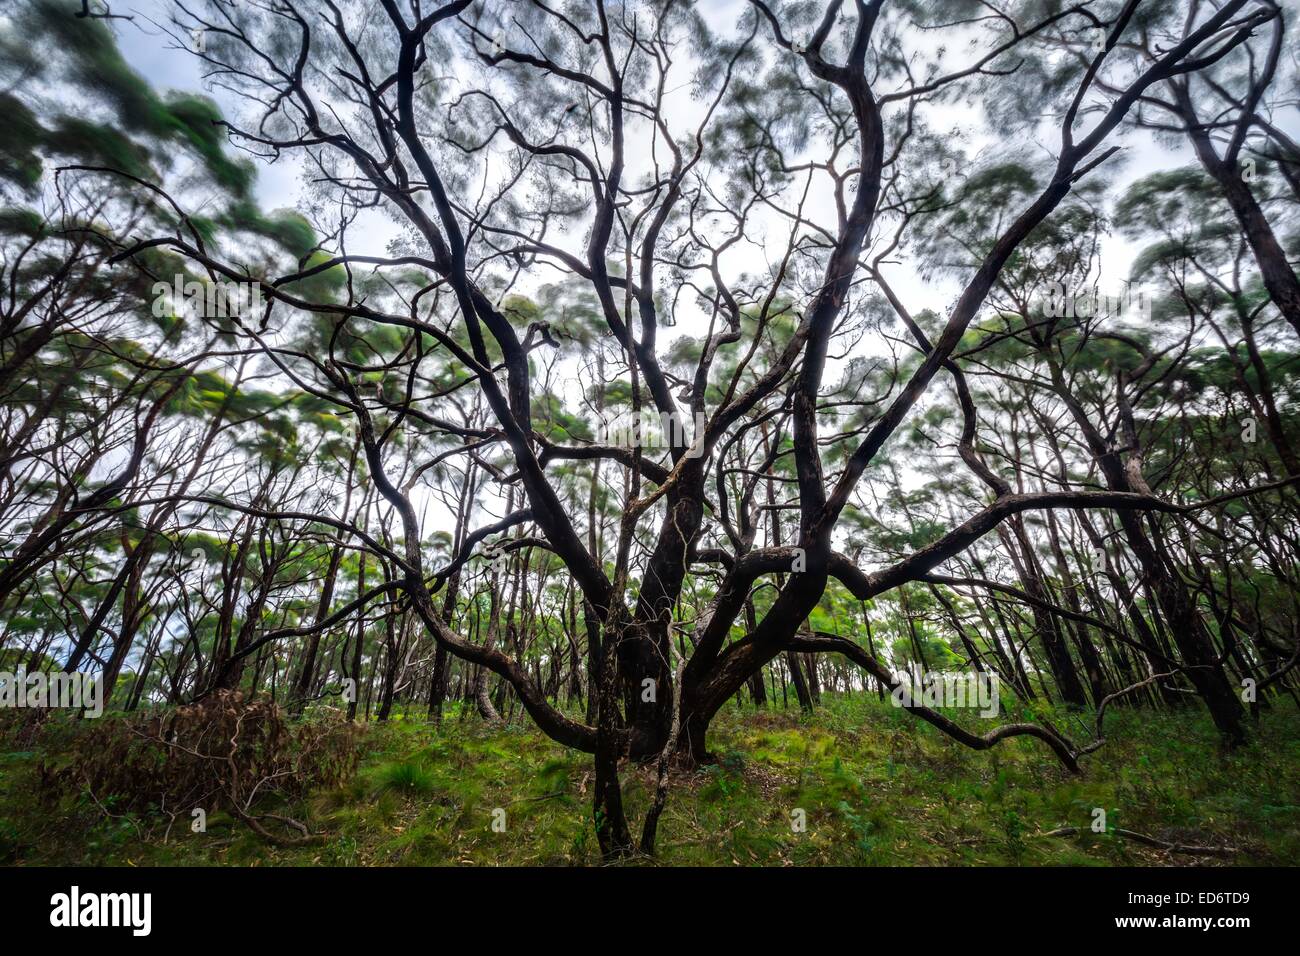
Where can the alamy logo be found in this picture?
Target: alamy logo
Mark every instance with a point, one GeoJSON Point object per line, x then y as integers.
{"type": "Point", "coordinates": [38, 689]}
{"type": "Point", "coordinates": [1060, 303]}
{"type": "Point", "coordinates": [948, 689]}
{"type": "Point", "coordinates": [75, 909]}
{"type": "Point", "coordinates": [212, 300]}
{"type": "Point", "coordinates": [647, 429]}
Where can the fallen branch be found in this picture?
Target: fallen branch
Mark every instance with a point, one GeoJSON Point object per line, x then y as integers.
{"type": "Point", "coordinates": [821, 641]}
{"type": "Point", "coordinates": [1150, 841]}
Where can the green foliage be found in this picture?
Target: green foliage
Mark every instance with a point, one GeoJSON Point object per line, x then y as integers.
{"type": "Point", "coordinates": [9, 841]}
{"type": "Point", "coordinates": [877, 786]}
{"type": "Point", "coordinates": [82, 52]}
{"type": "Point", "coordinates": [406, 777]}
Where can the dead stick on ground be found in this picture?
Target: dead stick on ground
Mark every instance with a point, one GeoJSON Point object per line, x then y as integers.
{"type": "Point", "coordinates": [1150, 841]}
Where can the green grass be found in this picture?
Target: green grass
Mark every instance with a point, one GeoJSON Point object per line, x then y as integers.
{"type": "Point", "coordinates": [876, 787]}
{"type": "Point", "coordinates": [407, 777]}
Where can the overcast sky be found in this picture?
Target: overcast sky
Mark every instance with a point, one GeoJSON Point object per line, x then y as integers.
{"type": "Point", "coordinates": [156, 56]}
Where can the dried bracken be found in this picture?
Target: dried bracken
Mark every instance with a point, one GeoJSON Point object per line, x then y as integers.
{"type": "Point", "coordinates": [228, 752]}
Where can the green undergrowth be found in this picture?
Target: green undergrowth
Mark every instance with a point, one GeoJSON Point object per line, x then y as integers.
{"type": "Point", "coordinates": [871, 784]}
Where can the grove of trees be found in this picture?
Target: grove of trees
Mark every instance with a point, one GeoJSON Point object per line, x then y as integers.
{"type": "Point", "coordinates": [973, 325]}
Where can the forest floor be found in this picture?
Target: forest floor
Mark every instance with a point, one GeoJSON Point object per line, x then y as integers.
{"type": "Point", "coordinates": [876, 787]}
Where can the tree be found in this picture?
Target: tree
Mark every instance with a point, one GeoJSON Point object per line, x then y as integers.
{"type": "Point", "coordinates": [696, 495]}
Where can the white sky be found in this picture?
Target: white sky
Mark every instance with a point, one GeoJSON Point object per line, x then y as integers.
{"type": "Point", "coordinates": [154, 55]}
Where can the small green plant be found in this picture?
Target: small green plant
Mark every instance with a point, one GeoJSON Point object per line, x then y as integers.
{"type": "Point", "coordinates": [862, 827]}
{"type": "Point", "coordinates": [10, 844]}
{"type": "Point", "coordinates": [405, 777]}
{"type": "Point", "coordinates": [719, 785]}
{"type": "Point", "coordinates": [1013, 830]}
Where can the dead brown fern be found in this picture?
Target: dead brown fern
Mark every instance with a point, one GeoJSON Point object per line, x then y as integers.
{"type": "Point", "coordinates": [229, 751]}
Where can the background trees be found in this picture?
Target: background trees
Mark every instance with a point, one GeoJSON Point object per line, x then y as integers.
{"type": "Point", "coordinates": [392, 479]}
